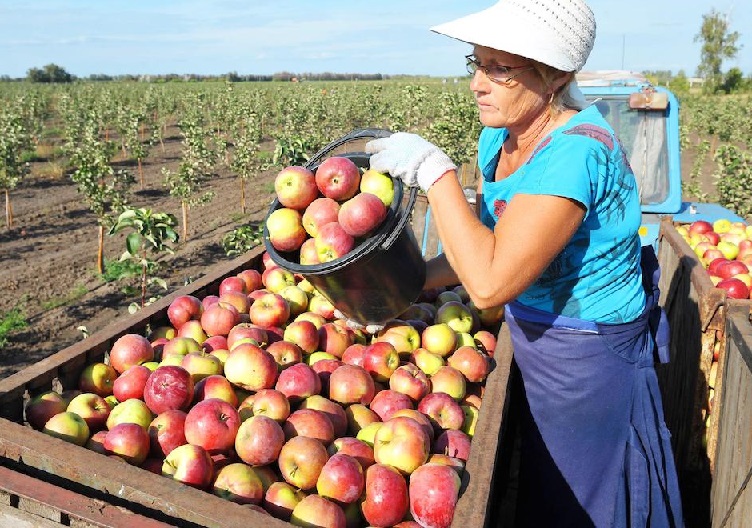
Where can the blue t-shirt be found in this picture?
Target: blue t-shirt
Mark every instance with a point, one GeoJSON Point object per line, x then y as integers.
{"type": "Point", "coordinates": [597, 276]}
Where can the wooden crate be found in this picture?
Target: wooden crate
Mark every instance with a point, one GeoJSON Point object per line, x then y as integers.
{"type": "Point", "coordinates": [731, 489]}
{"type": "Point", "coordinates": [114, 482]}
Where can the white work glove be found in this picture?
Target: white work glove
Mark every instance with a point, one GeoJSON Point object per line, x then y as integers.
{"type": "Point", "coordinates": [410, 158]}
{"type": "Point", "coordinates": [352, 323]}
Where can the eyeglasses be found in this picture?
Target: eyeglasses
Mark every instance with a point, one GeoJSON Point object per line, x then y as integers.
{"type": "Point", "coordinates": [498, 74]}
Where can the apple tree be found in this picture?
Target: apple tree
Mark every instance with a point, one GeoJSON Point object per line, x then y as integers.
{"type": "Point", "coordinates": [14, 141]}
{"type": "Point", "coordinates": [150, 235]}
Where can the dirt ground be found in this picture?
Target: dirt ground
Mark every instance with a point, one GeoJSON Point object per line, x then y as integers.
{"type": "Point", "coordinates": [48, 259]}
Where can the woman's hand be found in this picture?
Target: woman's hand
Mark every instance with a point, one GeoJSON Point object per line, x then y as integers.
{"type": "Point", "coordinates": [410, 158]}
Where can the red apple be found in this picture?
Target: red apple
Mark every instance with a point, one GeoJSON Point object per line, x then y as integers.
{"type": "Point", "coordinates": [168, 387]}
{"type": "Point", "coordinates": [315, 510]}
{"type": "Point", "coordinates": [182, 309]}
{"type": "Point", "coordinates": [320, 305]}
{"type": "Point", "coordinates": [333, 242]}
{"type": "Point", "coordinates": [386, 500]}
{"type": "Point", "coordinates": [735, 288]}
{"type": "Point", "coordinates": [300, 461]}
{"type": "Point", "coordinates": [232, 284]}
{"type": "Point", "coordinates": [214, 343]}
{"type": "Point", "coordinates": [308, 254]}
{"type": "Point", "coordinates": [285, 226]}
{"type": "Point", "coordinates": [304, 334]}
{"type": "Point", "coordinates": [700, 227]}
{"type": "Point", "coordinates": [281, 498]}
{"type": "Point", "coordinates": [44, 406]}
{"type": "Point", "coordinates": [191, 465]}
{"type": "Point", "coordinates": [297, 382]}
{"type": "Point", "coordinates": [251, 367]}
{"type": "Point", "coordinates": [68, 426]}
{"type": "Point", "coordinates": [419, 417]}
{"type": "Point", "coordinates": [96, 442]}
{"type": "Point", "coordinates": [311, 423]}
{"type": "Point", "coordinates": [334, 339]}
{"type": "Point", "coordinates": [129, 350]}
{"type": "Point", "coordinates": [353, 355]}
{"type": "Point", "coordinates": [93, 408]}
{"type": "Point", "coordinates": [97, 378]}
{"type": "Point", "coordinates": [454, 443]}
{"type": "Point", "coordinates": [259, 440]}
{"type": "Point", "coordinates": [341, 479]}
{"type": "Point", "coordinates": [358, 449]}
{"type": "Point", "coordinates": [243, 331]}
{"type": "Point", "coordinates": [295, 187]}
{"type": "Point", "coordinates": [434, 490]}
{"type": "Point", "coordinates": [166, 432]}
{"type": "Point", "coordinates": [215, 386]}
{"type": "Point", "coordinates": [338, 178]}
{"type": "Point", "coordinates": [471, 362]}
{"type": "Point", "coordinates": [319, 213]}
{"type": "Point", "coordinates": [387, 401]}
{"type": "Point", "coordinates": [267, 402]}
{"type": "Point", "coordinates": [252, 279]}
{"type": "Point", "coordinates": [410, 381]}
{"type": "Point", "coordinates": [361, 214]}
{"type": "Point", "coordinates": [128, 441]}
{"type": "Point", "coordinates": [213, 425]}
{"type": "Point", "coordinates": [351, 384]}
{"type": "Point", "coordinates": [285, 354]}
{"type": "Point", "coordinates": [239, 483]}
{"type": "Point", "coordinates": [131, 383]}
{"type": "Point", "coordinates": [380, 360]}
{"type": "Point", "coordinates": [269, 310]}
{"type": "Point", "coordinates": [443, 411]}
{"type": "Point", "coordinates": [450, 381]}
{"type": "Point", "coordinates": [402, 443]}
{"type": "Point", "coordinates": [331, 409]}
{"type": "Point", "coordinates": [485, 341]}
{"type": "Point", "coordinates": [730, 268]}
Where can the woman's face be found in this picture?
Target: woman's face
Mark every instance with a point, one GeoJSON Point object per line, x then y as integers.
{"type": "Point", "coordinates": [510, 104]}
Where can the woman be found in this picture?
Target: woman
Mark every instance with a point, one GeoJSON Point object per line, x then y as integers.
{"type": "Point", "coordinates": [556, 242]}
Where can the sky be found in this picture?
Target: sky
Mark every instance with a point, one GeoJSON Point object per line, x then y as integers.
{"type": "Point", "coordinates": [206, 37]}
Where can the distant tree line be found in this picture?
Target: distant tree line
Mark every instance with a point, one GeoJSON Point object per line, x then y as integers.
{"type": "Point", "coordinates": [51, 73]}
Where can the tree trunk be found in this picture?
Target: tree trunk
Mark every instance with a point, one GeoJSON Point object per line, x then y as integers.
{"type": "Point", "coordinates": [100, 251]}
{"type": "Point", "coordinates": [184, 207]}
{"type": "Point", "coordinates": [8, 211]}
{"type": "Point", "coordinates": [143, 285]}
{"type": "Point", "coordinates": [242, 195]}
{"type": "Point", "coordinates": [140, 174]}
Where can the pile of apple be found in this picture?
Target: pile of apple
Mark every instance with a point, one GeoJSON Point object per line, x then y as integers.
{"type": "Point", "coordinates": [725, 251]}
{"type": "Point", "coordinates": [324, 216]}
{"type": "Point", "coordinates": [258, 394]}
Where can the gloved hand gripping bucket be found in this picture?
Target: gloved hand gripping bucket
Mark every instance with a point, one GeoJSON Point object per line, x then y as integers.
{"type": "Point", "coordinates": [385, 273]}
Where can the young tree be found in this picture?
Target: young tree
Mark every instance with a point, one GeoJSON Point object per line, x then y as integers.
{"type": "Point", "coordinates": [718, 44]}
{"type": "Point", "coordinates": [14, 141]}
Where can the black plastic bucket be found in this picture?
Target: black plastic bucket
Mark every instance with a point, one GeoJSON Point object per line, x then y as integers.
{"type": "Point", "coordinates": [384, 274]}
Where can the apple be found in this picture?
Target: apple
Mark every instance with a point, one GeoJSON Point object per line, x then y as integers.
{"type": "Point", "coordinates": [285, 227]}
{"type": "Point", "coordinates": [434, 490]}
{"type": "Point", "coordinates": [320, 305]}
{"type": "Point", "coordinates": [281, 498]}
{"type": "Point", "coordinates": [259, 440]}
{"type": "Point", "coordinates": [457, 315]}
{"type": "Point", "coordinates": [232, 283]}
{"type": "Point", "coordinates": [93, 408]}
{"type": "Point", "coordinates": [351, 384]}
{"type": "Point", "coordinates": [189, 464]}
{"type": "Point", "coordinates": [700, 227]}
{"type": "Point", "coordinates": [471, 413]}
{"type": "Point", "coordinates": [455, 463]}
{"type": "Point", "coordinates": [304, 334]}
{"type": "Point", "coordinates": [445, 296]}
{"type": "Point", "coordinates": [128, 441]}
{"type": "Point", "coordinates": [728, 269]}
{"type": "Point", "coordinates": [473, 364]}
{"type": "Point", "coordinates": [239, 483]}
{"type": "Point", "coordinates": [311, 423]}
{"type": "Point", "coordinates": [319, 213]}
{"type": "Point", "coordinates": [735, 288]}
{"type": "Point", "coordinates": [341, 479]}
{"type": "Point", "coordinates": [215, 386]}
{"type": "Point", "coordinates": [285, 354]}
{"type": "Point", "coordinates": [356, 448]}
{"type": "Point", "coordinates": [332, 410]}
{"type": "Point", "coordinates": [96, 442]}
{"type": "Point", "coordinates": [485, 341]}
{"type": "Point", "coordinates": [443, 411]}
{"type": "Point", "coordinates": [729, 249]}
{"type": "Point", "coordinates": [214, 343]}
{"type": "Point", "coordinates": [746, 278]}
{"type": "Point", "coordinates": [44, 406]}
{"type": "Point", "coordinates": [300, 461]}
{"type": "Point", "coordinates": [296, 298]}
{"type": "Point", "coordinates": [169, 387]}
{"type": "Point", "coordinates": [243, 331]}
{"type": "Point", "coordinates": [194, 330]}
{"type": "Point", "coordinates": [267, 402]}
{"type": "Point", "coordinates": [251, 367]}
{"type": "Point", "coordinates": [68, 426]}
{"type": "Point", "coordinates": [367, 434]}
{"type": "Point", "coordinates": [334, 339]}
{"type": "Point", "coordinates": [97, 378]}
{"type": "Point", "coordinates": [401, 442]}
{"type": "Point", "coordinates": [182, 309]}
{"type": "Point", "coordinates": [219, 318]}
{"type": "Point", "coordinates": [295, 187]}
{"type": "Point", "coordinates": [712, 237]}
{"type": "Point", "coordinates": [338, 178]}
{"type": "Point", "coordinates": [213, 425]}
{"type": "Point", "coordinates": [180, 346]}
{"type": "Point", "coordinates": [269, 310]}
{"type": "Point", "coordinates": [419, 417]}
{"type": "Point", "coordinates": [166, 432]}
{"type": "Point", "coordinates": [386, 500]}
{"type": "Point", "coordinates": [129, 350]}
{"type": "Point", "coordinates": [362, 214]}
{"type": "Point", "coordinates": [387, 401]}
{"type": "Point", "coordinates": [439, 338]}
{"type": "Point", "coordinates": [252, 279]}
{"type": "Point", "coordinates": [333, 242]}
{"type": "Point", "coordinates": [274, 281]}
{"type": "Point", "coordinates": [353, 355]}
{"type": "Point", "coordinates": [449, 380]}
{"type": "Point", "coordinates": [722, 225]}
{"type": "Point", "coordinates": [453, 442]}
{"type": "Point", "coordinates": [359, 416]}
{"type": "Point", "coordinates": [298, 382]}
{"type": "Point", "coordinates": [308, 255]}
{"type": "Point", "coordinates": [130, 411]}
{"type": "Point", "coordinates": [324, 368]}
{"type": "Point", "coordinates": [315, 510]}
{"type": "Point", "coordinates": [380, 360]}
{"type": "Point", "coordinates": [409, 380]}
{"type": "Point", "coordinates": [427, 361]}
{"type": "Point", "coordinates": [378, 183]}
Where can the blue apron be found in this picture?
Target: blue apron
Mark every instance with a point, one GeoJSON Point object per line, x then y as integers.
{"type": "Point", "coordinates": [595, 449]}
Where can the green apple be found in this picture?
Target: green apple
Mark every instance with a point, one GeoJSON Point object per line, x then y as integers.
{"type": "Point", "coordinates": [378, 183]}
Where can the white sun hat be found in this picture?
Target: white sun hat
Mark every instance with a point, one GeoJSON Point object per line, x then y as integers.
{"type": "Point", "coordinates": [559, 33]}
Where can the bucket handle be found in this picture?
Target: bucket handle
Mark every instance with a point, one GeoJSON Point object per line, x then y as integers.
{"type": "Point", "coordinates": [360, 133]}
